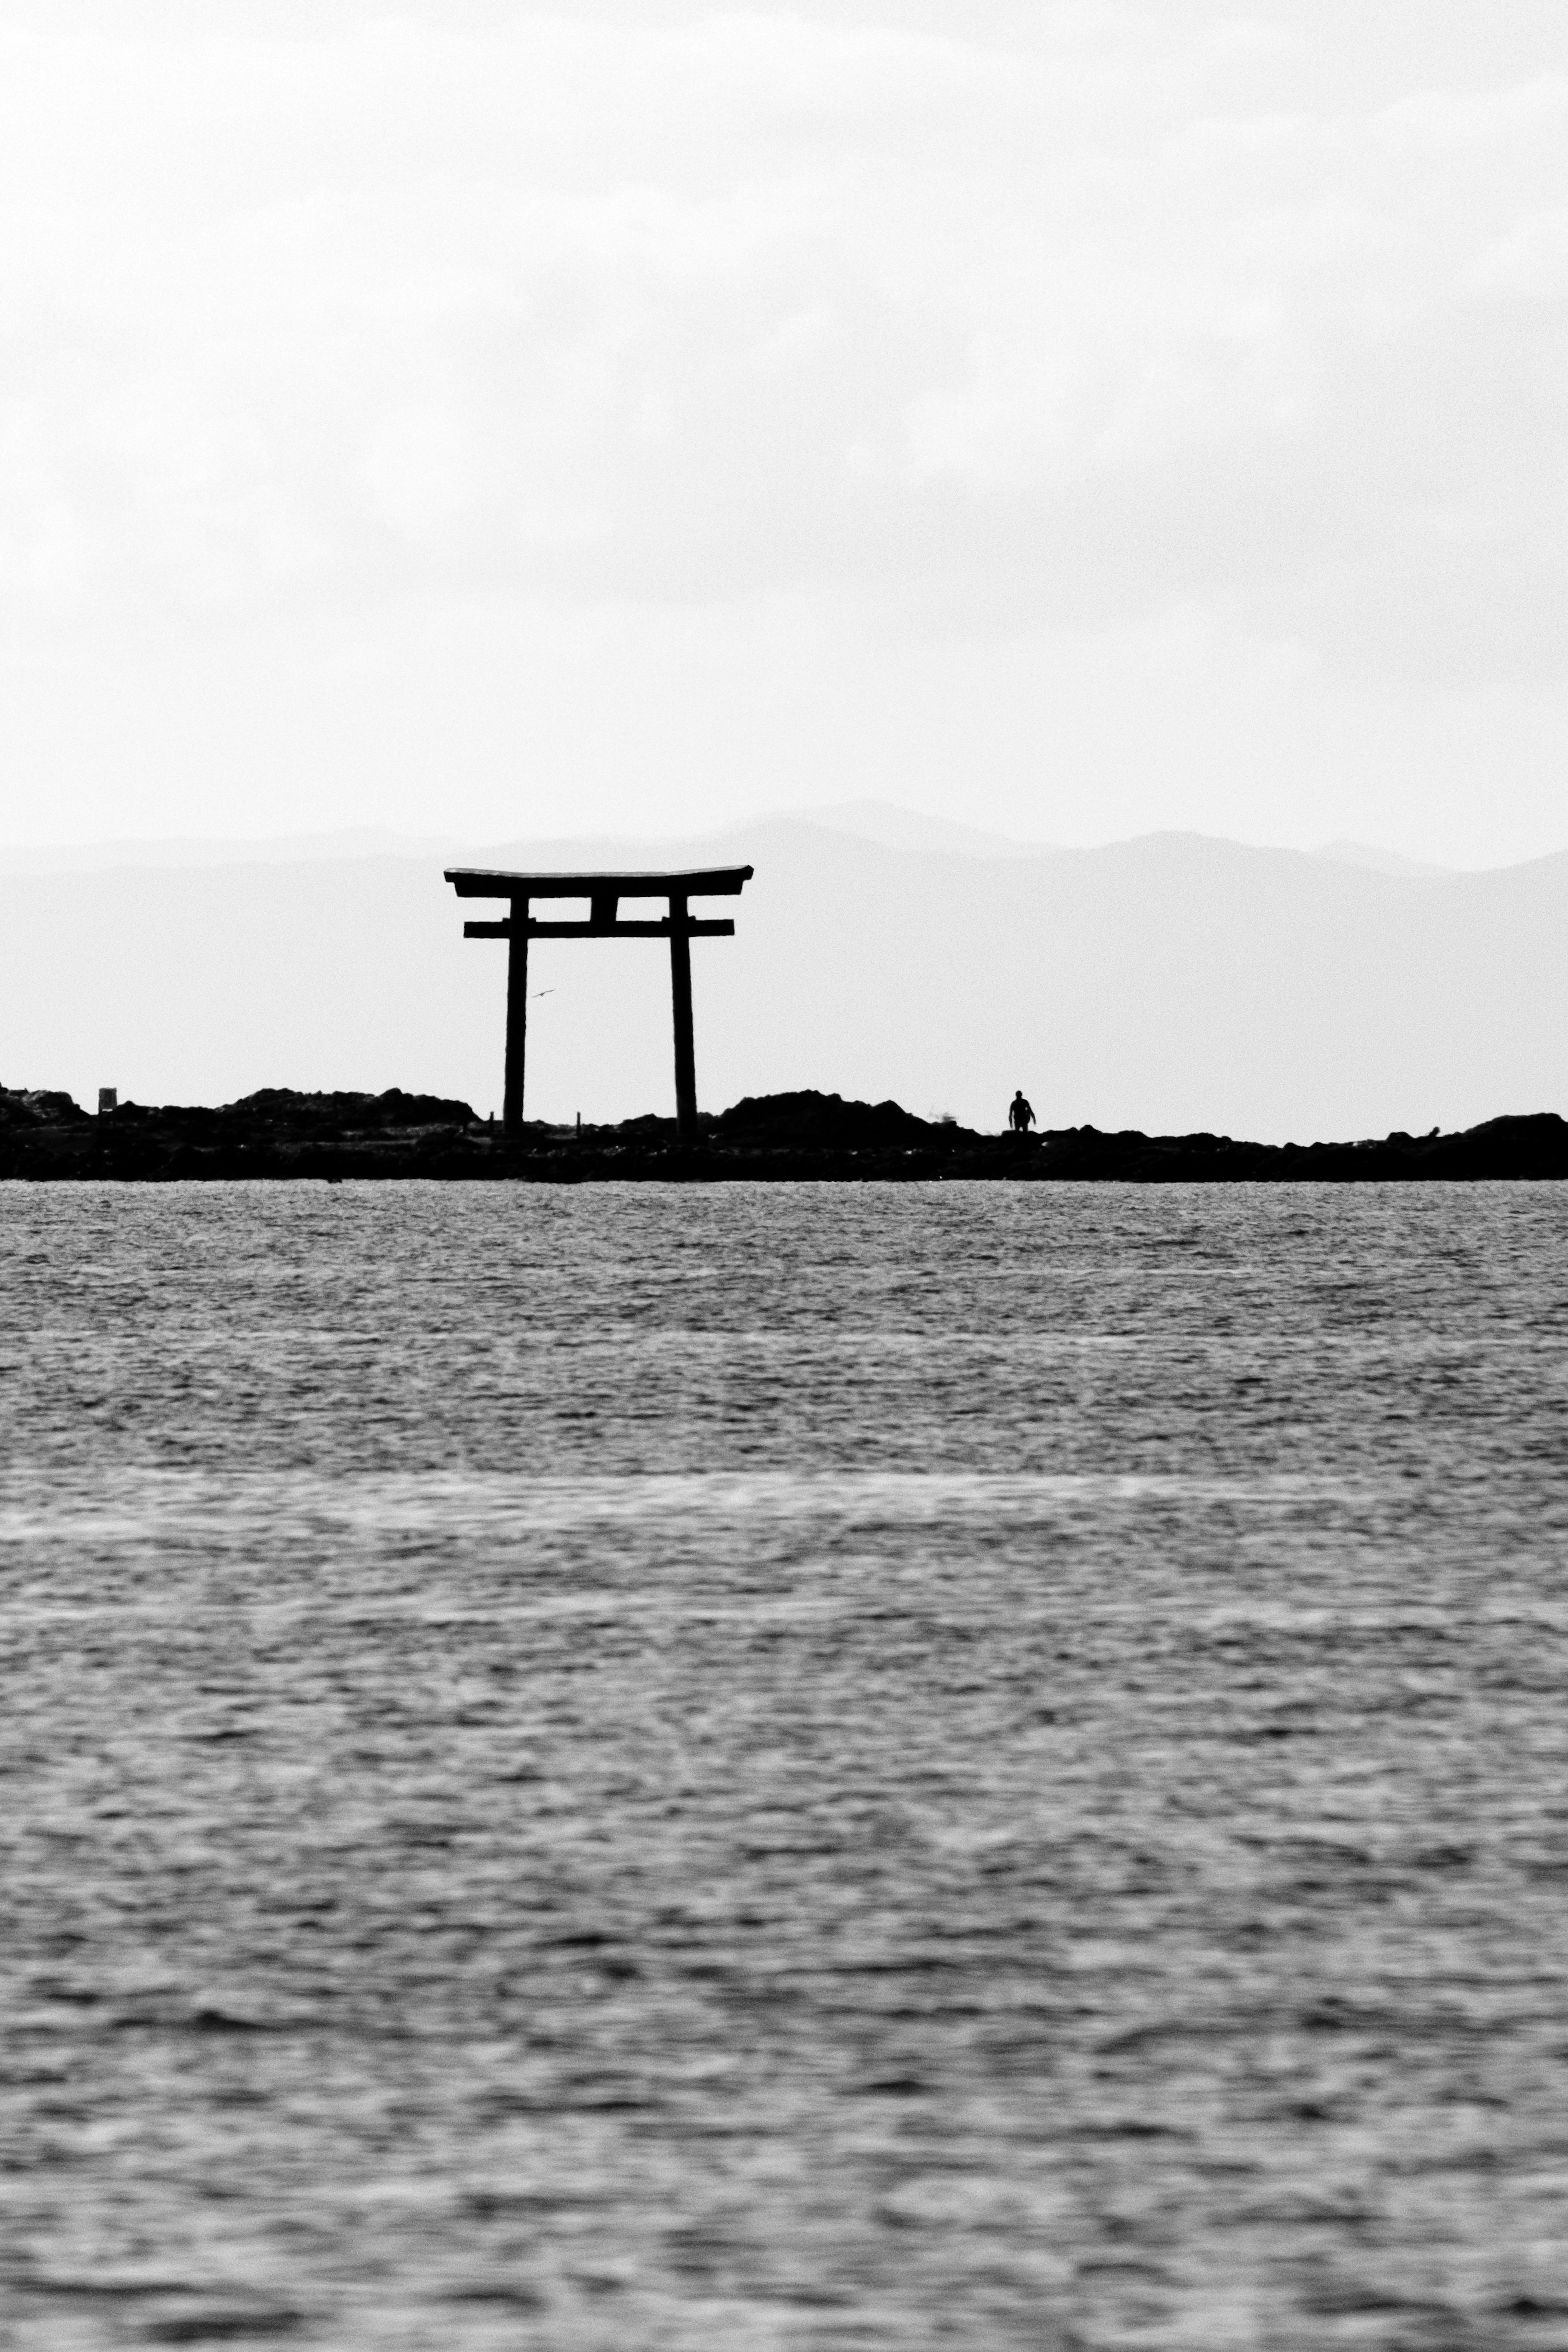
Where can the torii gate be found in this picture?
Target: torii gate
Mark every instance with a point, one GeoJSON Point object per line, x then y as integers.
{"type": "Point", "coordinates": [604, 892]}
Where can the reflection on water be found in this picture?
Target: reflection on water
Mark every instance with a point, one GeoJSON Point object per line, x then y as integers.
{"type": "Point", "coordinates": [811, 1768]}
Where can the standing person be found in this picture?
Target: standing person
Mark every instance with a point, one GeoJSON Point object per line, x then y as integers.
{"type": "Point", "coordinates": [1020, 1114]}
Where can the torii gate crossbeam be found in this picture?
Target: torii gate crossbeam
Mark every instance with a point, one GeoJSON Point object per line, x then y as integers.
{"type": "Point", "coordinates": [604, 893]}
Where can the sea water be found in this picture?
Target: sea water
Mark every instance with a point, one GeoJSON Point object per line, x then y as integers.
{"type": "Point", "coordinates": [822, 1767]}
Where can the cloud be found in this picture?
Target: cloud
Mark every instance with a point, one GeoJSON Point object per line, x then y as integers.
{"type": "Point", "coordinates": [1091, 316]}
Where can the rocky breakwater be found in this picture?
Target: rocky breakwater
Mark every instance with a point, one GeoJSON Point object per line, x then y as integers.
{"type": "Point", "coordinates": [790, 1138]}
{"type": "Point", "coordinates": [277, 1132]}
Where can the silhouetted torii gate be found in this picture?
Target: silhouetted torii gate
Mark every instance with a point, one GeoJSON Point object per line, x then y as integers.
{"type": "Point", "coordinates": [604, 893]}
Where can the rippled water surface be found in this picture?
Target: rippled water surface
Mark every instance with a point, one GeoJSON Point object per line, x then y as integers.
{"type": "Point", "coordinates": [784, 1768]}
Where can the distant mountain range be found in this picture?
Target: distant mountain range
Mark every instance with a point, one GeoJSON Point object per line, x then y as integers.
{"type": "Point", "coordinates": [1173, 984]}
{"type": "Point", "coordinates": [880, 821]}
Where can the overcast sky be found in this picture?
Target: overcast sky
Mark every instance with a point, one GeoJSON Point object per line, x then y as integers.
{"type": "Point", "coordinates": [1075, 420]}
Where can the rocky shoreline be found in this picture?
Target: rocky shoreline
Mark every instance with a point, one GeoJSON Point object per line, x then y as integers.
{"type": "Point", "coordinates": [794, 1137]}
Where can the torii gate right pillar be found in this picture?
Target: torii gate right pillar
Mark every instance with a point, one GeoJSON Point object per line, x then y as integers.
{"type": "Point", "coordinates": [516, 1018]}
{"type": "Point", "coordinates": [680, 1001]}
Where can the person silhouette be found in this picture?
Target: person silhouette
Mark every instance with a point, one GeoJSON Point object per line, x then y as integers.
{"type": "Point", "coordinates": [1020, 1114]}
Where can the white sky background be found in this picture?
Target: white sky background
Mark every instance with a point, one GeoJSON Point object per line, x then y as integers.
{"type": "Point", "coordinates": [1074, 420]}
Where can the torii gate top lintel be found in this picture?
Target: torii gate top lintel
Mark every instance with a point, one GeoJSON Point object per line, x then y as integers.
{"type": "Point", "coordinates": [604, 893]}
{"type": "Point", "coordinates": [709, 882]}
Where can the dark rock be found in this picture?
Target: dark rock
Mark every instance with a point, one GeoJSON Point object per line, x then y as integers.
{"type": "Point", "coordinates": [282, 1106]}
{"type": "Point", "coordinates": [648, 1128]}
{"type": "Point", "coordinates": [37, 1107]}
{"type": "Point", "coordinates": [810, 1118]}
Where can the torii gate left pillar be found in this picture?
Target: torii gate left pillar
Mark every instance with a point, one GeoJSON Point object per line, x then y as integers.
{"type": "Point", "coordinates": [516, 1015]}
{"type": "Point", "coordinates": [604, 893]}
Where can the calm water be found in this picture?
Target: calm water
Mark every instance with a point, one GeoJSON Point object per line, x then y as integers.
{"type": "Point", "coordinates": [833, 1768]}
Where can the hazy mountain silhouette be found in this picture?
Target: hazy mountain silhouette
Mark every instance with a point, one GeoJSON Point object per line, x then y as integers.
{"type": "Point", "coordinates": [902, 828]}
{"type": "Point", "coordinates": [1171, 983]}
{"type": "Point", "coordinates": [1380, 861]}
